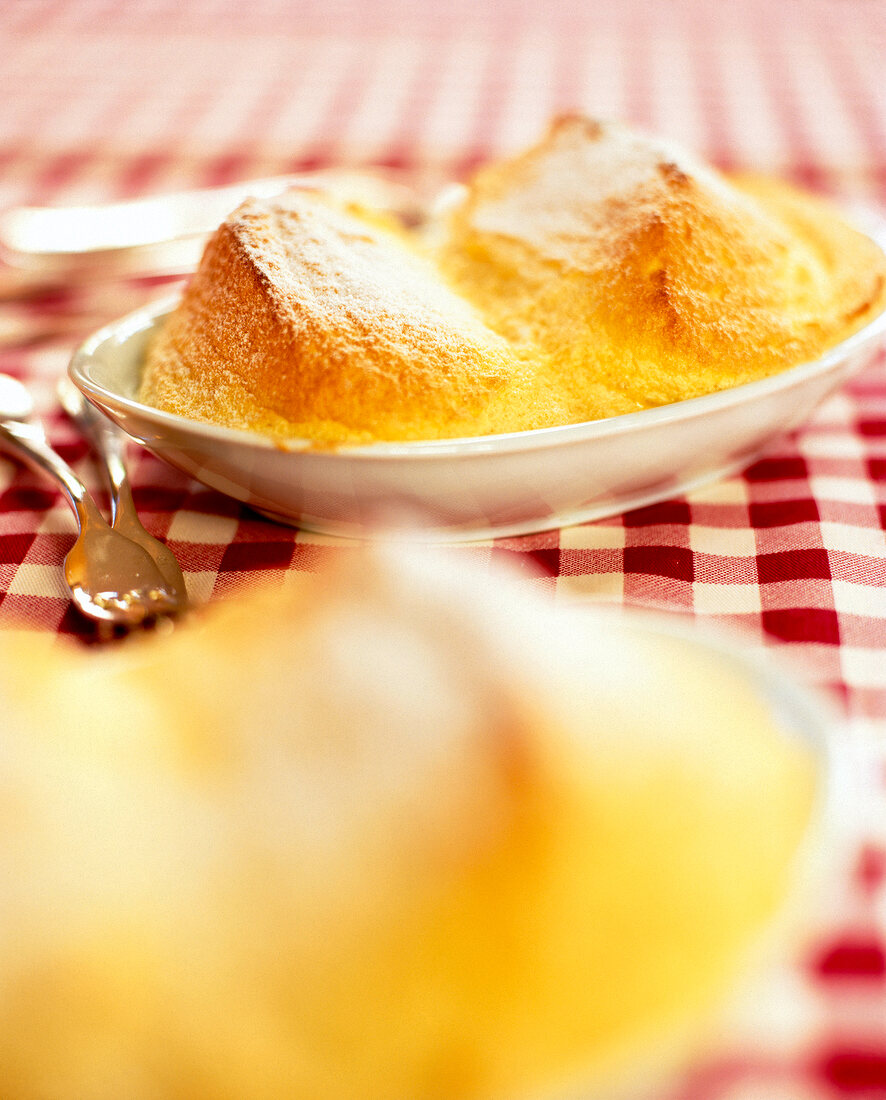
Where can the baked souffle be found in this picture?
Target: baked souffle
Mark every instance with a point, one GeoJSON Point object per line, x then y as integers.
{"type": "Point", "coordinates": [600, 272]}
{"type": "Point", "coordinates": [403, 830]}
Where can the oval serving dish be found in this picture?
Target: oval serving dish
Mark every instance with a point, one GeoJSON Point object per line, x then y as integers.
{"type": "Point", "coordinates": [477, 488]}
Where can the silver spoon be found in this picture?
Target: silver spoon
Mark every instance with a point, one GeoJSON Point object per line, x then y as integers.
{"type": "Point", "coordinates": [110, 577]}
{"type": "Point", "coordinates": [108, 445]}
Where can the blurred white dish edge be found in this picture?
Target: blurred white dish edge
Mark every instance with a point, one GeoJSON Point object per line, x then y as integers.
{"type": "Point", "coordinates": [801, 714]}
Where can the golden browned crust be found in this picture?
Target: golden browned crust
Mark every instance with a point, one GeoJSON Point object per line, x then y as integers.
{"type": "Point", "coordinates": [598, 273]}
{"type": "Point", "coordinates": [305, 319]}
{"type": "Point", "coordinates": [635, 267]}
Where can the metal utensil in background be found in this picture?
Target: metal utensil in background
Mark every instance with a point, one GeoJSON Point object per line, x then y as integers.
{"type": "Point", "coordinates": [108, 444]}
{"type": "Point", "coordinates": [65, 271]}
{"type": "Point", "coordinates": [162, 233]}
{"type": "Point", "coordinates": [112, 579]}
{"type": "Point", "coordinates": [165, 233]}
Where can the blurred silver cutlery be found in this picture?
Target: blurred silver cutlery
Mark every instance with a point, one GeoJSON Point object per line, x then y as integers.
{"type": "Point", "coordinates": [165, 233]}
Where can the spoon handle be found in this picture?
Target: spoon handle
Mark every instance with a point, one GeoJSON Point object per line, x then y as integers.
{"type": "Point", "coordinates": [25, 439]}
{"type": "Point", "coordinates": [166, 233]}
{"type": "Point", "coordinates": [110, 577]}
{"type": "Point", "coordinates": [109, 445]}
{"type": "Point", "coordinates": [106, 441]}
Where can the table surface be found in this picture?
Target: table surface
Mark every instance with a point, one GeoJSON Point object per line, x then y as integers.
{"type": "Point", "coordinates": [102, 100]}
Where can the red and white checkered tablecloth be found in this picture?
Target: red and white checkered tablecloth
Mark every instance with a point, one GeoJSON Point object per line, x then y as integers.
{"type": "Point", "coordinates": [101, 100]}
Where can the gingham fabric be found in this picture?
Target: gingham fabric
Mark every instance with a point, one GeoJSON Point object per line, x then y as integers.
{"type": "Point", "coordinates": [101, 100]}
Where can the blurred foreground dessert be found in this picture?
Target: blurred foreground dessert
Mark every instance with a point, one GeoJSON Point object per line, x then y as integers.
{"type": "Point", "coordinates": [599, 273]}
{"type": "Point", "coordinates": [401, 833]}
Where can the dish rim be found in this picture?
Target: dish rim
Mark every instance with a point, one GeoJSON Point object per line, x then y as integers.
{"type": "Point", "coordinates": [149, 316]}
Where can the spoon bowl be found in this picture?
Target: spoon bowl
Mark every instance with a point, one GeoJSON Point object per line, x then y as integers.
{"type": "Point", "coordinates": [109, 447]}
{"type": "Point", "coordinates": [111, 578]}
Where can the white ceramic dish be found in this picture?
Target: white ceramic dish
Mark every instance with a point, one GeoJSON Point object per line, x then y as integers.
{"type": "Point", "coordinates": [476, 488]}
